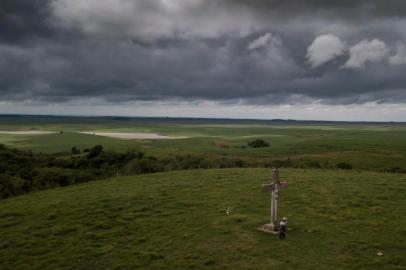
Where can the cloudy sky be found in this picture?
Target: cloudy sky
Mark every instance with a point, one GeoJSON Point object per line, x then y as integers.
{"type": "Point", "coordinates": [300, 59]}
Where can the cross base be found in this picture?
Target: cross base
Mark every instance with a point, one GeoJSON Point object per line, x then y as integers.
{"type": "Point", "coordinates": [269, 228]}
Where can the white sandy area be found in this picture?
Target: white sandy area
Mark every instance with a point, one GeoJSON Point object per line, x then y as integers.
{"type": "Point", "coordinates": [25, 132]}
{"type": "Point", "coordinates": [126, 135]}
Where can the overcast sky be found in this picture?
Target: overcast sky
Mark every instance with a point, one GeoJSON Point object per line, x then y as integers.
{"type": "Point", "coordinates": [300, 59]}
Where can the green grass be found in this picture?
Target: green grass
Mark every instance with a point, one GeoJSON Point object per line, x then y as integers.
{"type": "Point", "coordinates": [177, 220]}
{"type": "Point", "coordinates": [365, 146]}
{"type": "Point", "coordinates": [50, 143]}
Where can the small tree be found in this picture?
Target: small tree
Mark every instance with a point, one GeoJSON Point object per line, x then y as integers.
{"type": "Point", "coordinates": [95, 151]}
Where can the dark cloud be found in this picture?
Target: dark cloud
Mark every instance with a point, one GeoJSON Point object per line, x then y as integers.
{"type": "Point", "coordinates": [253, 52]}
{"type": "Point", "coordinates": [21, 20]}
{"type": "Point", "coordinates": [337, 8]}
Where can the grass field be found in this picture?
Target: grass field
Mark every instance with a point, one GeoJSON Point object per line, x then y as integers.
{"type": "Point", "coordinates": [177, 220]}
{"type": "Point", "coordinates": [365, 146]}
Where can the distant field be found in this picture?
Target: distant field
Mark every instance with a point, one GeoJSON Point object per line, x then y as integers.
{"type": "Point", "coordinates": [365, 146]}
{"type": "Point", "coordinates": [177, 220]}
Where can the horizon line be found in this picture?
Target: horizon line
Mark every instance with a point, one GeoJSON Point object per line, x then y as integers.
{"type": "Point", "coordinates": [202, 118]}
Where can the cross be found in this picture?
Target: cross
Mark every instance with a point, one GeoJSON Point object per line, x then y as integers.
{"type": "Point", "coordinates": [273, 187]}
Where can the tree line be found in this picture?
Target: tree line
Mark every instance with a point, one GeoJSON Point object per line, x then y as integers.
{"type": "Point", "coordinates": [23, 171]}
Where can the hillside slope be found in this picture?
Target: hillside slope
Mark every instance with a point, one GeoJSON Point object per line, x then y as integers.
{"type": "Point", "coordinates": [177, 220]}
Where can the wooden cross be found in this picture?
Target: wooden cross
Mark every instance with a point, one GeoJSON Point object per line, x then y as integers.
{"type": "Point", "coordinates": [274, 188]}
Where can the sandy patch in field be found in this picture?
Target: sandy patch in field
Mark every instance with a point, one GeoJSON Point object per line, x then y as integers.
{"type": "Point", "coordinates": [26, 132]}
{"type": "Point", "coordinates": [126, 135]}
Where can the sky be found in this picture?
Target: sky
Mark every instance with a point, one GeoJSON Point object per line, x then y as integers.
{"type": "Point", "coordinates": [265, 59]}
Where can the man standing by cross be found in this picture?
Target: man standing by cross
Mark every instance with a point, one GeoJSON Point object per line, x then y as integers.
{"type": "Point", "coordinates": [273, 187]}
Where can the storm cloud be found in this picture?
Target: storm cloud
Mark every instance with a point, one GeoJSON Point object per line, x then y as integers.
{"type": "Point", "coordinates": [228, 51]}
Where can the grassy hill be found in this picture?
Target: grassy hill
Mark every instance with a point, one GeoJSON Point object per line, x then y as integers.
{"type": "Point", "coordinates": [177, 220]}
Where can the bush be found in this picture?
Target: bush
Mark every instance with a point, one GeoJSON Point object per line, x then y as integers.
{"type": "Point", "coordinates": [95, 151]}
{"type": "Point", "coordinates": [10, 186]}
{"type": "Point", "coordinates": [75, 151]}
{"type": "Point", "coordinates": [143, 165]}
{"type": "Point", "coordinates": [258, 143]}
{"type": "Point", "coordinates": [344, 166]}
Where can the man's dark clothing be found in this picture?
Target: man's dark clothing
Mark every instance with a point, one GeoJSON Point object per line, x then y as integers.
{"type": "Point", "coordinates": [282, 232]}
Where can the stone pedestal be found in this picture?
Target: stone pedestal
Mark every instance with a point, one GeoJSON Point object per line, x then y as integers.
{"type": "Point", "coordinates": [269, 228]}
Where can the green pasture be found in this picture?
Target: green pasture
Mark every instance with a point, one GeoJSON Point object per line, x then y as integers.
{"type": "Point", "coordinates": [365, 146]}
{"type": "Point", "coordinates": [178, 220]}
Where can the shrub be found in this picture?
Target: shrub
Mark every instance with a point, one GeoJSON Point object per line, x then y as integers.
{"type": "Point", "coordinates": [258, 143]}
{"type": "Point", "coordinates": [143, 165]}
{"type": "Point", "coordinates": [75, 151]}
{"type": "Point", "coordinates": [10, 186]}
{"type": "Point", "coordinates": [344, 166]}
{"type": "Point", "coordinates": [95, 151]}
